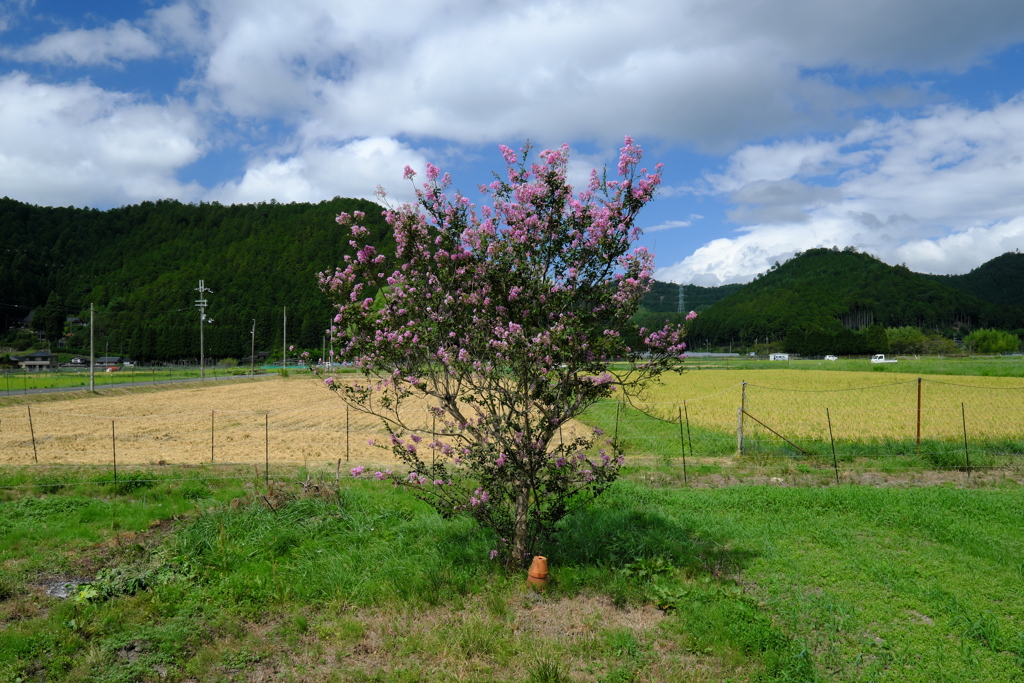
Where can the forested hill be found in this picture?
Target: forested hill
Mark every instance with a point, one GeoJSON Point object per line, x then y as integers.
{"type": "Point", "coordinates": [827, 291]}
{"type": "Point", "coordinates": [664, 297]}
{"type": "Point", "coordinates": [1000, 281]}
{"type": "Point", "coordinates": [140, 266]}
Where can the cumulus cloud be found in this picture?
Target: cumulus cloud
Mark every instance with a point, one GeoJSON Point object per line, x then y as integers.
{"type": "Point", "coordinates": [321, 169]}
{"type": "Point", "coordinates": [79, 144]}
{"type": "Point", "coordinates": [88, 47]}
{"type": "Point", "coordinates": [941, 193]}
{"type": "Point", "coordinates": [345, 81]}
{"type": "Point", "coordinates": [708, 74]}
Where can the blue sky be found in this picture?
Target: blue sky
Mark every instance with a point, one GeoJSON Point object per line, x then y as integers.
{"type": "Point", "coordinates": [896, 126]}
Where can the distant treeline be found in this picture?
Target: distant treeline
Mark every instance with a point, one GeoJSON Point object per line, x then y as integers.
{"type": "Point", "coordinates": [140, 266]}
{"type": "Point", "coordinates": [829, 299]}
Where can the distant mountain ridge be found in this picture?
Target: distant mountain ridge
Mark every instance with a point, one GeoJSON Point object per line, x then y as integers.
{"type": "Point", "coordinates": [999, 281]}
{"type": "Point", "coordinates": [140, 265]}
{"type": "Point", "coordinates": [828, 290]}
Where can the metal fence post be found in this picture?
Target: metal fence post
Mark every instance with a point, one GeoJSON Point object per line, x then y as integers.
{"type": "Point", "coordinates": [113, 447]}
{"type": "Point", "coordinates": [918, 414]}
{"type": "Point", "coordinates": [835, 463]}
{"type": "Point", "coordinates": [682, 444]}
{"type": "Point", "coordinates": [32, 430]}
{"type": "Point", "coordinates": [967, 456]}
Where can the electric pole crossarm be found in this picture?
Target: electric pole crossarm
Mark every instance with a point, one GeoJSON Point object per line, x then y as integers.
{"type": "Point", "coordinates": [201, 304]}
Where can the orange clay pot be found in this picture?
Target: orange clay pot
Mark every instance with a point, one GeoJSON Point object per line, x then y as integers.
{"type": "Point", "coordinates": [538, 574]}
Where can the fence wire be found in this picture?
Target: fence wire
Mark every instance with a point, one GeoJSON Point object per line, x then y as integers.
{"type": "Point", "coordinates": [910, 424]}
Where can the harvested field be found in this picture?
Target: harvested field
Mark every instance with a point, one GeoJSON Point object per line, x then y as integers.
{"type": "Point", "coordinates": [292, 421]}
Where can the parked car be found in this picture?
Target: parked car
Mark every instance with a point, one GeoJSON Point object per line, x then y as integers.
{"type": "Point", "coordinates": [831, 357]}
{"type": "Point", "coordinates": [880, 358]}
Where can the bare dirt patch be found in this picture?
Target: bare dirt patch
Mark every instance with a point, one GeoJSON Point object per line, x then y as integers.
{"type": "Point", "coordinates": [468, 643]}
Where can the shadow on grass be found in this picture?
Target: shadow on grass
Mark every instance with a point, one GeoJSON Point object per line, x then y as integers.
{"type": "Point", "coordinates": [617, 537]}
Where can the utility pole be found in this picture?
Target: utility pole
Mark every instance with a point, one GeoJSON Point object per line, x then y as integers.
{"type": "Point", "coordinates": [252, 353]}
{"type": "Point", "coordinates": [284, 341]}
{"type": "Point", "coordinates": [92, 354]}
{"type": "Point", "coordinates": [201, 304]}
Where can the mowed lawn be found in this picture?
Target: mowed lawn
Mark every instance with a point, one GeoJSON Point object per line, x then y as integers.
{"type": "Point", "coordinates": [846, 583]}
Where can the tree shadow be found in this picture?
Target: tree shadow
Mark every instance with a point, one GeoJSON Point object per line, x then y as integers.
{"type": "Point", "coordinates": [613, 538]}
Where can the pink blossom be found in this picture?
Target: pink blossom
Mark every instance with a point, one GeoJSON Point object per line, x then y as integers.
{"type": "Point", "coordinates": [357, 470]}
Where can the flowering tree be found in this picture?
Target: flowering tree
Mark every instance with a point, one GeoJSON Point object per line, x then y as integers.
{"type": "Point", "coordinates": [503, 320]}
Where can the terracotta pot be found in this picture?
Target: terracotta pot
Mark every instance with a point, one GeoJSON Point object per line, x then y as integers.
{"type": "Point", "coordinates": [538, 574]}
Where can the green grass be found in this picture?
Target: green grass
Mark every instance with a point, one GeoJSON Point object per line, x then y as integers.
{"type": "Point", "coordinates": [194, 575]}
{"type": "Point", "coordinates": [979, 366]}
{"type": "Point", "coordinates": [715, 452]}
{"type": "Point", "coordinates": [19, 381]}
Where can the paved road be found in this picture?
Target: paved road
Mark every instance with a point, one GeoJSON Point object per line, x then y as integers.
{"type": "Point", "coordinates": [119, 385]}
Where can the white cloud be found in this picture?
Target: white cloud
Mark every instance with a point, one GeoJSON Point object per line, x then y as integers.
{"type": "Point", "coordinates": [342, 77]}
{"type": "Point", "coordinates": [87, 47]}
{"type": "Point", "coordinates": [78, 144]}
{"type": "Point", "coordinates": [941, 193]}
{"type": "Point", "coordinates": [177, 24]}
{"type": "Point", "coordinates": [324, 169]}
{"type": "Point", "coordinates": [11, 11]}
{"type": "Point", "coordinates": [708, 74]}
{"type": "Point", "coordinates": [671, 225]}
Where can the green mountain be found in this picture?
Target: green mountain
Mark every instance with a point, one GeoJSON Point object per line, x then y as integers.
{"type": "Point", "coordinates": [140, 266]}
{"type": "Point", "coordinates": [830, 293]}
{"type": "Point", "coordinates": [664, 297]}
{"type": "Point", "coordinates": [999, 281]}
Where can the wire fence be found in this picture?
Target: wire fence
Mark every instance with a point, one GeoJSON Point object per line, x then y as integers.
{"type": "Point", "coordinates": [23, 382]}
{"type": "Point", "coordinates": [907, 425]}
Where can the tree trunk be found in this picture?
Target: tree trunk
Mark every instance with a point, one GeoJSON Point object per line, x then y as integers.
{"type": "Point", "coordinates": [520, 533]}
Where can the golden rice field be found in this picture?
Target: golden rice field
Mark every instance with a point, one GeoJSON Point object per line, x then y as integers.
{"type": "Point", "coordinates": [292, 421]}
{"type": "Point", "coordinates": [297, 421]}
{"type": "Point", "coordinates": [862, 405]}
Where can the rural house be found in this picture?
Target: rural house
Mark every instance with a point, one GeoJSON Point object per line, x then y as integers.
{"type": "Point", "coordinates": [39, 360]}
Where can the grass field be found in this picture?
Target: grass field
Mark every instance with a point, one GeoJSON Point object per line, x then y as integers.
{"type": "Point", "coordinates": [14, 381]}
{"type": "Point", "coordinates": [981, 366]}
{"type": "Point", "coordinates": [201, 579]}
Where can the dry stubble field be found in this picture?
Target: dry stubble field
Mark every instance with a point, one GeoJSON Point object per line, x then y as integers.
{"type": "Point", "coordinates": [299, 420]}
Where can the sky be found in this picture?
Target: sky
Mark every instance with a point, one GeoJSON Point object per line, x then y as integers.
{"type": "Point", "coordinates": [893, 126]}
